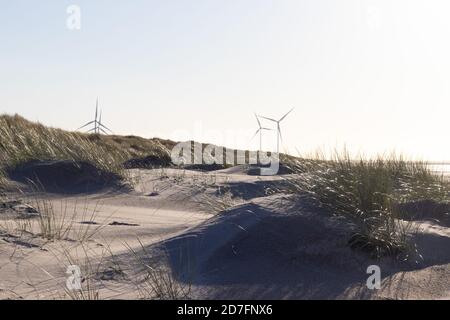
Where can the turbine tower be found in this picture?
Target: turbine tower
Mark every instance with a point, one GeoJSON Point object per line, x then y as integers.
{"type": "Point", "coordinates": [279, 136]}
{"type": "Point", "coordinates": [260, 131]}
{"type": "Point", "coordinates": [99, 127]}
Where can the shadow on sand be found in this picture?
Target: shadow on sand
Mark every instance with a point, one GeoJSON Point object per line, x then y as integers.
{"type": "Point", "coordinates": [252, 253]}
{"type": "Point", "coordinates": [64, 177]}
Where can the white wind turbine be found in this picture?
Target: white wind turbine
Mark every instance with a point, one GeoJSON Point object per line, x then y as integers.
{"type": "Point", "coordinates": [101, 127]}
{"type": "Point", "coordinates": [98, 125]}
{"type": "Point", "coordinates": [260, 131]}
{"type": "Point", "coordinates": [279, 136]}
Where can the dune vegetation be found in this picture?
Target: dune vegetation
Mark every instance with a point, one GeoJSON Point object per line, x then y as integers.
{"type": "Point", "coordinates": [320, 210]}
{"type": "Point", "coordinates": [371, 195]}
{"type": "Point", "coordinates": [22, 141]}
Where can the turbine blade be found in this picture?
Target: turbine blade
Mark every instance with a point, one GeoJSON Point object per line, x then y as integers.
{"type": "Point", "coordinates": [279, 133]}
{"type": "Point", "coordinates": [257, 131]}
{"type": "Point", "coordinates": [269, 119]}
{"type": "Point", "coordinates": [266, 129]}
{"type": "Point", "coordinates": [104, 132]}
{"type": "Point", "coordinates": [102, 125]}
{"type": "Point", "coordinates": [286, 115]}
{"type": "Point", "coordinates": [91, 122]}
{"type": "Point", "coordinates": [257, 119]}
{"type": "Point", "coordinates": [96, 110]}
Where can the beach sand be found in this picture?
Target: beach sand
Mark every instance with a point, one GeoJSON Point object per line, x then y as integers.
{"type": "Point", "coordinates": [222, 234]}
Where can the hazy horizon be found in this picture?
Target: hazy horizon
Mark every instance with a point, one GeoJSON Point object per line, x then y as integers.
{"type": "Point", "coordinates": [368, 75]}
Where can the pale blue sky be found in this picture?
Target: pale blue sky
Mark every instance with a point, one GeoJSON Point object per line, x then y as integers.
{"type": "Point", "coordinates": [374, 75]}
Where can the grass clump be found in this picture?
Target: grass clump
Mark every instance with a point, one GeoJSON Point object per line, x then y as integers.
{"type": "Point", "coordinates": [60, 223]}
{"type": "Point", "coordinates": [158, 282]}
{"type": "Point", "coordinates": [368, 193]}
{"type": "Point", "coordinates": [82, 265]}
{"type": "Point", "coordinates": [22, 141]}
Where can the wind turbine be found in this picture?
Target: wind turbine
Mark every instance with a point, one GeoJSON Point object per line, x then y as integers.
{"type": "Point", "coordinates": [98, 125]}
{"type": "Point", "coordinates": [101, 127]}
{"type": "Point", "coordinates": [260, 131]}
{"type": "Point", "coordinates": [279, 136]}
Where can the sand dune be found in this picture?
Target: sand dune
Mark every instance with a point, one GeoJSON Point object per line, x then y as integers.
{"type": "Point", "coordinates": [260, 246]}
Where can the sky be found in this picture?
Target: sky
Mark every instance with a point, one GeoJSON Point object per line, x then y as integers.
{"type": "Point", "coordinates": [371, 76]}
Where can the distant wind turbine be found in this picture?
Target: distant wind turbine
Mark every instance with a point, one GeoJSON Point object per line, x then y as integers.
{"type": "Point", "coordinates": [98, 125]}
{"type": "Point", "coordinates": [260, 131]}
{"type": "Point", "coordinates": [279, 136]}
{"type": "Point", "coordinates": [101, 127]}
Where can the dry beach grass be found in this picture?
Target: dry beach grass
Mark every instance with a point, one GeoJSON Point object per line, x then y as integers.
{"type": "Point", "coordinates": [370, 193]}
